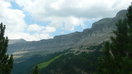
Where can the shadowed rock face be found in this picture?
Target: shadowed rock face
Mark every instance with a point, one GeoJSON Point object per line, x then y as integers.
{"type": "Point", "coordinates": [100, 31]}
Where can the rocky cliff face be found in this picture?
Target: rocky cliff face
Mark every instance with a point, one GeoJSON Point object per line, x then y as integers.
{"type": "Point", "coordinates": [99, 32]}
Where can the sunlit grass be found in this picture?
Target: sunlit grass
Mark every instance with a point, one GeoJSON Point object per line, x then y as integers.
{"type": "Point", "coordinates": [45, 64]}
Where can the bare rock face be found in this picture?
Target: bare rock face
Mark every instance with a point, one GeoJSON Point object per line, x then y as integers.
{"type": "Point", "coordinates": [100, 31]}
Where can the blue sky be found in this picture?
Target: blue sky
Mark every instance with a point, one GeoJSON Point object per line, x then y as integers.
{"type": "Point", "coordinates": [43, 19]}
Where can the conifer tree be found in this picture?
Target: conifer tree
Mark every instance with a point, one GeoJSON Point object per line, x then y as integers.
{"type": "Point", "coordinates": [35, 70]}
{"type": "Point", "coordinates": [129, 19]}
{"type": "Point", "coordinates": [117, 53]}
{"type": "Point", "coordinates": [6, 61]}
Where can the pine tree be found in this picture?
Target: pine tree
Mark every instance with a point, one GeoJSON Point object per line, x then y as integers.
{"type": "Point", "coordinates": [35, 70]}
{"type": "Point", "coordinates": [6, 61]}
{"type": "Point", "coordinates": [129, 19]}
{"type": "Point", "coordinates": [117, 53]}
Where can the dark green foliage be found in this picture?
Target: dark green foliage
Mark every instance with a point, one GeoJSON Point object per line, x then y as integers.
{"type": "Point", "coordinates": [129, 14]}
{"type": "Point", "coordinates": [35, 70]}
{"type": "Point", "coordinates": [117, 53]}
{"type": "Point", "coordinates": [6, 61]}
{"type": "Point", "coordinates": [129, 20]}
{"type": "Point", "coordinates": [74, 64]}
{"type": "Point", "coordinates": [27, 65]}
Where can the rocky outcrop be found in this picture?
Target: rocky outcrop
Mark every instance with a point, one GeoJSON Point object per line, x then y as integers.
{"type": "Point", "coordinates": [101, 30]}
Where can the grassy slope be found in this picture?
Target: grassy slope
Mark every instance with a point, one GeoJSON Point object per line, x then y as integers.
{"type": "Point", "coordinates": [45, 64]}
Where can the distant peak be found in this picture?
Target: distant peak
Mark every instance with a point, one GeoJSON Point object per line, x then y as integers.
{"type": "Point", "coordinates": [13, 41]}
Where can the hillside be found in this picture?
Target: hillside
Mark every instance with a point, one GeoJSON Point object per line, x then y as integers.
{"type": "Point", "coordinates": [45, 64]}
{"type": "Point", "coordinates": [74, 63]}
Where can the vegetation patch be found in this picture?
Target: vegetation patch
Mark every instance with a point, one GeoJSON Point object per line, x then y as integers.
{"type": "Point", "coordinates": [45, 64]}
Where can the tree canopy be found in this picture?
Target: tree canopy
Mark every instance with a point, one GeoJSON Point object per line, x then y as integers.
{"type": "Point", "coordinates": [6, 61]}
{"type": "Point", "coordinates": [117, 53]}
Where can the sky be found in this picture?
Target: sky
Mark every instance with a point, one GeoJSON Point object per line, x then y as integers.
{"type": "Point", "coordinates": [34, 20]}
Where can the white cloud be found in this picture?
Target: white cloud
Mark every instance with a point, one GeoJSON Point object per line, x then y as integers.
{"type": "Point", "coordinates": [29, 37]}
{"type": "Point", "coordinates": [12, 18]}
{"type": "Point", "coordinates": [61, 14]}
{"type": "Point", "coordinates": [49, 29]}
{"type": "Point", "coordinates": [38, 32]}
{"type": "Point", "coordinates": [64, 13]}
{"type": "Point", "coordinates": [17, 28]}
{"type": "Point", "coordinates": [38, 28]}
{"type": "Point", "coordinates": [34, 27]}
{"type": "Point", "coordinates": [41, 9]}
{"type": "Point", "coordinates": [67, 23]}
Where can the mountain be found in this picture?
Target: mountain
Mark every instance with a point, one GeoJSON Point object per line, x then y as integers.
{"type": "Point", "coordinates": [100, 31]}
{"type": "Point", "coordinates": [26, 51]}
{"type": "Point", "coordinates": [15, 41]}
{"type": "Point", "coordinates": [83, 62]}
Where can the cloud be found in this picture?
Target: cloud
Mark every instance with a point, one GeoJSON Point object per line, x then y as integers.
{"type": "Point", "coordinates": [64, 13]}
{"type": "Point", "coordinates": [13, 18]}
{"type": "Point", "coordinates": [38, 32]}
{"type": "Point", "coordinates": [29, 37]}
{"type": "Point", "coordinates": [38, 28]}
{"type": "Point", "coordinates": [67, 23]}
{"type": "Point", "coordinates": [17, 28]}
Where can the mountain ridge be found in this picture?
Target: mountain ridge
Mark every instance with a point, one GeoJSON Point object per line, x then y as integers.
{"type": "Point", "coordinates": [89, 41]}
{"type": "Point", "coordinates": [99, 32]}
